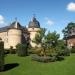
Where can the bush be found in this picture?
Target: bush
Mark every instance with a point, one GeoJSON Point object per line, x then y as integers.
{"type": "Point", "coordinates": [12, 51]}
{"type": "Point", "coordinates": [73, 50]}
{"type": "Point", "coordinates": [66, 52]}
{"type": "Point", "coordinates": [22, 50]}
{"type": "Point", "coordinates": [59, 58]}
{"type": "Point", "coordinates": [1, 56]}
{"type": "Point", "coordinates": [43, 59]}
{"type": "Point", "coordinates": [6, 51]}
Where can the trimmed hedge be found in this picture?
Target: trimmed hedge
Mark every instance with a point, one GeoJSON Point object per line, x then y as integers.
{"type": "Point", "coordinates": [46, 59]}
{"type": "Point", "coordinates": [73, 50]}
{"type": "Point", "coordinates": [21, 50]}
{"type": "Point", "coordinates": [43, 59]}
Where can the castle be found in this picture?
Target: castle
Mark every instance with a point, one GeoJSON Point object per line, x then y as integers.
{"type": "Point", "coordinates": [15, 33]}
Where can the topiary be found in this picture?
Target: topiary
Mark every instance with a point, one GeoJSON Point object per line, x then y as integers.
{"type": "Point", "coordinates": [22, 49]}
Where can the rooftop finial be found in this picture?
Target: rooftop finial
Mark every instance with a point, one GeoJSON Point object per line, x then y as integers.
{"type": "Point", "coordinates": [34, 17]}
{"type": "Point", "coordinates": [15, 22]}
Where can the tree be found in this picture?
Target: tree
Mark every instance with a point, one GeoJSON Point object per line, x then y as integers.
{"type": "Point", "coordinates": [47, 41]}
{"type": "Point", "coordinates": [52, 38]}
{"type": "Point", "coordinates": [50, 46]}
{"type": "Point", "coordinates": [1, 55]}
{"type": "Point", "coordinates": [67, 30]}
{"type": "Point", "coordinates": [39, 36]}
{"type": "Point", "coordinates": [39, 40]}
{"type": "Point", "coordinates": [51, 41]}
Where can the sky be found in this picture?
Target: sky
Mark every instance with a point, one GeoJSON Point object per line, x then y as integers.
{"type": "Point", "coordinates": [54, 15]}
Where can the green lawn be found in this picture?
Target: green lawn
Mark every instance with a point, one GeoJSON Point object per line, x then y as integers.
{"type": "Point", "coordinates": [28, 67]}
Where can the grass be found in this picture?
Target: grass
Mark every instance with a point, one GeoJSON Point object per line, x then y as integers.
{"type": "Point", "coordinates": [28, 67]}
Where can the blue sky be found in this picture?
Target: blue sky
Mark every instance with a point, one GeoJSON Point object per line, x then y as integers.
{"type": "Point", "coordinates": [52, 14]}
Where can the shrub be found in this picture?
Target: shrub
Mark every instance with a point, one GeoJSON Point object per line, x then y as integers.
{"type": "Point", "coordinates": [6, 51]}
{"type": "Point", "coordinates": [59, 58]}
{"type": "Point", "coordinates": [73, 49]}
{"type": "Point", "coordinates": [1, 56]}
{"type": "Point", "coordinates": [66, 52]}
{"type": "Point", "coordinates": [43, 59]}
{"type": "Point", "coordinates": [22, 49]}
{"type": "Point", "coordinates": [12, 51]}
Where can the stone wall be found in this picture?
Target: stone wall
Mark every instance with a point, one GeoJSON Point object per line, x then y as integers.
{"type": "Point", "coordinates": [11, 38]}
{"type": "Point", "coordinates": [33, 32]}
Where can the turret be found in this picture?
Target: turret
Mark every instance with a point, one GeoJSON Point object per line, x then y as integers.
{"type": "Point", "coordinates": [33, 28]}
{"type": "Point", "coordinates": [14, 34]}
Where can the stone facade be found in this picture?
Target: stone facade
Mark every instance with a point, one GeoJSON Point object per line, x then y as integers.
{"type": "Point", "coordinates": [33, 32]}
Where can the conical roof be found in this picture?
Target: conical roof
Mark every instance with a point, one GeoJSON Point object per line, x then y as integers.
{"type": "Point", "coordinates": [15, 24]}
{"type": "Point", "coordinates": [34, 23]}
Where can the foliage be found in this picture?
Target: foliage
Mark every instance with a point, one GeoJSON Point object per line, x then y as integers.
{"type": "Point", "coordinates": [39, 39]}
{"type": "Point", "coordinates": [67, 29]}
{"type": "Point", "coordinates": [61, 49]}
{"type": "Point", "coordinates": [44, 59]}
{"type": "Point", "coordinates": [12, 51]}
{"type": "Point", "coordinates": [50, 46]}
{"type": "Point", "coordinates": [1, 56]}
{"type": "Point", "coordinates": [73, 49]}
{"type": "Point", "coordinates": [39, 36]}
{"type": "Point", "coordinates": [50, 43]}
{"type": "Point", "coordinates": [6, 51]}
{"type": "Point", "coordinates": [22, 49]}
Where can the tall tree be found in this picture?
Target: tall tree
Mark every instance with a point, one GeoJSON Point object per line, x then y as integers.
{"type": "Point", "coordinates": [46, 41]}
{"type": "Point", "coordinates": [39, 40]}
{"type": "Point", "coordinates": [67, 30]}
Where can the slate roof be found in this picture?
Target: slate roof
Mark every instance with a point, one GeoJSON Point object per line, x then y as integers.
{"type": "Point", "coordinates": [34, 23]}
{"type": "Point", "coordinates": [3, 29]}
{"type": "Point", "coordinates": [12, 25]}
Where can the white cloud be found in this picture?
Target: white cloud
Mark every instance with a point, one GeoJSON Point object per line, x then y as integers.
{"type": "Point", "coordinates": [71, 7]}
{"type": "Point", "coordinates": [2, 19]}
{"type": "Point", "coordinates": [49, 21]}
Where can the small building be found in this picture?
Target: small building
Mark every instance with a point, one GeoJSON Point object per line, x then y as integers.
{"type": "Point", "coordinates": [15, 33]}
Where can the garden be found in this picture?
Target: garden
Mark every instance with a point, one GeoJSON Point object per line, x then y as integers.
{"type": "Point", "coordinates": [50, 56]}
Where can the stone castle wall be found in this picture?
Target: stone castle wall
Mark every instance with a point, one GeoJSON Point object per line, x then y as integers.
{"type": "Point", "coordinates": [11, 38]}
{"type": "Point", "coordinates": [14, 36]}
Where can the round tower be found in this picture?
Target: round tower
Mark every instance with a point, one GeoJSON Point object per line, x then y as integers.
{"type": "Point", "coordinates": [33, 28]}
{"type": "Point", "coordinates": [14, 34]}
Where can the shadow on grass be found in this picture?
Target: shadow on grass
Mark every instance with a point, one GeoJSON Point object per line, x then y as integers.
{"type": "Point", "coordinates": [10, 66]}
